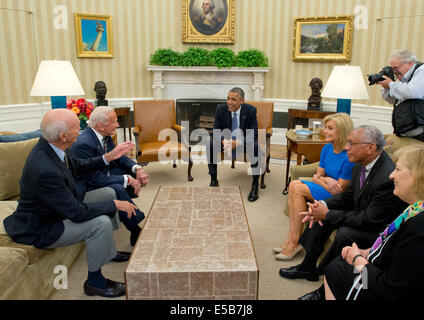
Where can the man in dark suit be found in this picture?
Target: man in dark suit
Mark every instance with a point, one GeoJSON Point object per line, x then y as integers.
{"type": "Point", "coordinates": [52, 213]}
{"type": "Point", "coordinates": [123, 174]}
{"type": "Point", "coordinates": [235, 132]}
{"type": "Point", "coordinates": [358, 214]}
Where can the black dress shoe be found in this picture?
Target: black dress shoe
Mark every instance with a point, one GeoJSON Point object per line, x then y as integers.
{"type": "Point", "coordinates": [314, 295]}
{"type": "Point", "coordinates": [214, 183]}
{"type": "Point", "coordinates": [296, 273]}
{"type": "Point", "coordinates": [253, 195]}
{"type": "Point", "coordinates": [134, 235]}
{"type": "Point", "coordinates": [122, 256]}
{"type": "Point", "coordinates": [113, 289]}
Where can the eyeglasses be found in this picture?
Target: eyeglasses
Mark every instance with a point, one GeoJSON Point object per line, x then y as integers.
{"type": "Point", "coordinates": [397, 68]}
{"type": "Point", "coordinates": [350, 143]}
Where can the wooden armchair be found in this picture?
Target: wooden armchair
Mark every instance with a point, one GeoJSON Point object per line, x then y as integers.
{"type": "Point", "coordinates": [264, 114]}
{"type": "Point", "coordinates": [154, 124]}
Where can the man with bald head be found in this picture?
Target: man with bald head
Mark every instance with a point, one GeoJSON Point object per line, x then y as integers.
{"type": "Point", "coordinates": [51, 212]}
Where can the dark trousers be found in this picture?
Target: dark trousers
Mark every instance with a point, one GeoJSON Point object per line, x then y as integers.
{"type": "Point", "coordinates": [213, 155]}
{"type": "Point", "coordinates": [314, 239]}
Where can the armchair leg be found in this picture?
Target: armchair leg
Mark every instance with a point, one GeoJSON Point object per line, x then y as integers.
{"type": "Point", "coordinates": [190, 165]}
{"type": "Point", "coordinates": [263, 185]}
{"type": "Point", "coordinates": [267, 163]}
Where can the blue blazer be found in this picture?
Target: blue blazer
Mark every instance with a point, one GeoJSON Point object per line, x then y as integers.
{"type": "Point", "coordinates": [89, 146]}
{"type": "Point", "coordinates": [49, 196]}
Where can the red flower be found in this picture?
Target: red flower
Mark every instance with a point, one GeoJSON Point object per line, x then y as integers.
{"type": "Point", "coordinates": [81, 107]}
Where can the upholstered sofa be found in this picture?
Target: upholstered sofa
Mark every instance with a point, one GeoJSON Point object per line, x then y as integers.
{"type": "Point", "coordinates": [306, 172]}
{"type": "Point", "coordinates": [25, 271]}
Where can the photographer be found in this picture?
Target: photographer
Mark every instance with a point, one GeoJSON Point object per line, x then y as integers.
{"type": "Point", "coordinates": [407, 95]}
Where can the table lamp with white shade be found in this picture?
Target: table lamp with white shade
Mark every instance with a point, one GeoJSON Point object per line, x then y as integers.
{"type": "Point", "coordinates": [56, 79]}
{"type": "Point", "coordinates": [344, 84]}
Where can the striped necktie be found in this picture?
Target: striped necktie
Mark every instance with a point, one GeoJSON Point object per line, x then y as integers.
{"type": "Point", "coordinates": [104, 144]}
{"type": "Point", "coordinates": [234, 124]}
{"type": "Point", "coordinates": [66, 160]}
{"type": "Point", "coordinates": [362, 177]}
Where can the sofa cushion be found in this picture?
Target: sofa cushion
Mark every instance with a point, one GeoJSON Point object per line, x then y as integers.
{"type": "Point", "coordinates": [20, 136]}
{"type": "Point", "coordinates": [12, 263]}
{"type": "Point", "coordinates": [7, 208]}
{"type": "Point", "coordinates": [34, 254]}
{"type": "Point", "coordinates": [12, 161]}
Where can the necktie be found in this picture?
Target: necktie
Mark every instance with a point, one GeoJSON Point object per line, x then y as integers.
{"type": "Point", "coordinates": [66, 160]}
{"type": "Point", "coordinates": [105, 144]}
{"type": "Point", "coordinates": [234, 124]}
{"type": "Point", "coordinates": [362, 177]}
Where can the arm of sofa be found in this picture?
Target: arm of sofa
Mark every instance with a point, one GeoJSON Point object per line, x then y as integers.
{"type": "Point", "coordinates": [307, 170]}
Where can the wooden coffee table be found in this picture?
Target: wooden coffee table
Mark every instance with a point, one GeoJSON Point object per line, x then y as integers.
{"type": "Point", "coordinates": [195, 244]}
{"type": "Point", "coordinates": [310, 147]}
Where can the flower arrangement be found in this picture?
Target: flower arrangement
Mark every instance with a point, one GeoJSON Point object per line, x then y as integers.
{"type": "Point", "coordinates": [81, 107]}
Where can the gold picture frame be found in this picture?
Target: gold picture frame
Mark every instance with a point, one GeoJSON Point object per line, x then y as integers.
{"type": "Point", "coordinates": [209, 24]}
{"type": "Point", "coordinates": [94, 35]}
{"type": "Point", "coordinates": [323, 39]}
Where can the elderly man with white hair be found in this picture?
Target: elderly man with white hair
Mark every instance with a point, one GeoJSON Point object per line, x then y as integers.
{"type": "Point", "coordinates": [123, 175]}
{"type": "Point", "coordinates": [407, 95]}
{"type": "Point", "coordinates": [52, 213]}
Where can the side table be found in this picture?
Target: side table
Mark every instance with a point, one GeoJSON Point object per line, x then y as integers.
{"type": "Point", "coordinates": [125, 113]}
{"type": "Point", "coordinates": [310, 147]}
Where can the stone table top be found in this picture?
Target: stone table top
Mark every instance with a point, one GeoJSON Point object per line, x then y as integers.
{"type": "Point", "coordinates": [194, 232]}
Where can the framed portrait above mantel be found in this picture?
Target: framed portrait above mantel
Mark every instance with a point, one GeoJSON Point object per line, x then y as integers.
{"type": "Point", "coordinates": [94, 35]}
{"type": "Point", "coordinates": [323, 39]}
{"type": "Point", "coordinates": [208, 21]}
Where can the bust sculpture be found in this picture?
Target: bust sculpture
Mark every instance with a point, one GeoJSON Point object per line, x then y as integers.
{"type": "Point", "coordinates": [101, 90]}
{"type": "Point", "coordinates": [314, 101]}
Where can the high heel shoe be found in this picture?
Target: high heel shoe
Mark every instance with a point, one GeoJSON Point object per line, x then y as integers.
{"type": "Point", "coordinates": [283, 257]}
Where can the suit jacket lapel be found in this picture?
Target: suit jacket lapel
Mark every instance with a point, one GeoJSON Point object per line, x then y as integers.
{"type": "Point", "coordinates": [97, 141]}
{"type": "Point", "coordinates": [59, 163]}
{"type": "Point", "coordinates": [372, 174]}
{"type": "Point", "coordinates": [228, 118]}
{"type": "Point", "coordinates": [243, 117]}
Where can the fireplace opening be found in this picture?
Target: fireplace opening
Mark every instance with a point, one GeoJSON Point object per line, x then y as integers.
{"type": "Point", "coordinates": [200, 113]}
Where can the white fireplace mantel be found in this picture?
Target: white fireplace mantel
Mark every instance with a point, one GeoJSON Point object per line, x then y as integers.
{"type": "Point", "coordinates": [206, 82]}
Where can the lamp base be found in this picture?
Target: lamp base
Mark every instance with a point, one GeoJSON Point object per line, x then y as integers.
{"type": "Point", "coordinates": [343, 105]}
{"type": "Point", "coordinates": [58, 102]}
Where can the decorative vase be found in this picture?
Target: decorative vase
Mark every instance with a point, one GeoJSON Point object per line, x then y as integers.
{"type": "Point", "coordinates": [83, 124]}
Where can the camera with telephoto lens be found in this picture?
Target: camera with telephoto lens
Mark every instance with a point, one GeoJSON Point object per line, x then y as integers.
{"type": "Point", "coordinates": [386, 71]}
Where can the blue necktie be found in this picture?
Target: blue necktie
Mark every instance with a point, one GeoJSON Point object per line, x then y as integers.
{"type": "Point", "coordinates": [234, 127]}
{"type": "Point", "coordinates": [234, 124]}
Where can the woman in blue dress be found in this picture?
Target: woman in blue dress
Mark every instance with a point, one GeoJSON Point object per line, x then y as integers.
{"type": "Point", "coordinates": [333, 175]}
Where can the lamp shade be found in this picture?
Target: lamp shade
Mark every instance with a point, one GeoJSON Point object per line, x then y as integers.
{"type": "Point", "coordinates": [56, 78]}
{"type": "Point", "coordinates": [346, 82]}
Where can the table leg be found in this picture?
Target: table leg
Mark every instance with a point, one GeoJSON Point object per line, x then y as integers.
{"type": "Point", "coordinates": [285, 191]}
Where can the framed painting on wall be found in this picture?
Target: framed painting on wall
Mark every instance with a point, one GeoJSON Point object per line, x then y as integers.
{"type": "Point", "coordinates": [208, 21]}
{"type": "Point", "coordinates": [94, 35]}
{"type": "Point", "coordinates": [323, 39]}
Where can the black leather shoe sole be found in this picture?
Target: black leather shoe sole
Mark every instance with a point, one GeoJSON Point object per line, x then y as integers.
{"type": "Point", "coordinates": [113, 289]}
{"type": "Point", "coordinates": [295, 273]}
{"type": "Point", "coordinates": [122, 256]}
